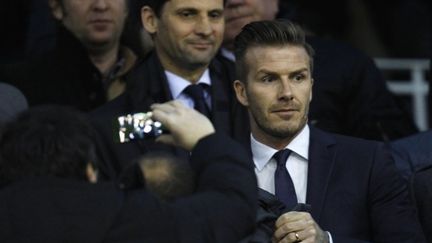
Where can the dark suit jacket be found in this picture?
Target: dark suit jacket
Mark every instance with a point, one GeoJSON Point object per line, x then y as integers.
{"type": "Point", "coordinates": [421, 189]}
{"type": "Point", "coordinates": [65, 210]}
{"type": "Point", "coordinates": [356, 192]}
{"type": "Point", "coordinates": [412, 153]}
{"type": "Point", "coordinates": [147, 85]}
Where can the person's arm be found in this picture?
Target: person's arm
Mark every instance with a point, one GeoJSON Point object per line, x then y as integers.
{"type": "Point", "coordinates": [223, 206]}
{"type": "Point", "coordinates": [392, 212]}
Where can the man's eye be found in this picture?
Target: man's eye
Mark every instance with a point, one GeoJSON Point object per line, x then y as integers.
{"type": "Point", "coordinates": [215, 15]}
{"type": "Point", "coordinates": [186, 14]}
{"type": "Point", "coordinates": [299, 77]}
{"type": "Point", "coordinates": [267, 78]}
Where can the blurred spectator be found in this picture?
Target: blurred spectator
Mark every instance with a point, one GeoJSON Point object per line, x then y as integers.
{"type": "Point", "coordinates": [134, 35]}
{"type": "Point", "coordinates": [87, 66]}
{"type": "Point", "coordinates": [51, 193]}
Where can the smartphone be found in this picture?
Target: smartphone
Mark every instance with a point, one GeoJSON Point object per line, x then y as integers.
{"type": "Point", "coordinates": [136, 126]}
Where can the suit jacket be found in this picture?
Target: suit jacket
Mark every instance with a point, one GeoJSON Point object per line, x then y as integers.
{"type": "Point", "coordinates": [147, 84]}
{"type": "Point", "coordinates": [412, 153]}
{"type": "Point", "coordinates": [356, 192]}
{"type": "Point", "coordinates": [421, 191]}
{"type": "Point", "coordinates": [222, 209]}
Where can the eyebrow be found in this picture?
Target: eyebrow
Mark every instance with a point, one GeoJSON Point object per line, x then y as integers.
{"type": "Point", "coordinates": [299, 72]}
{"type": "Point", "coordinates": [193, 9]}
{"type": "Point", "coordinates": [276, 73]}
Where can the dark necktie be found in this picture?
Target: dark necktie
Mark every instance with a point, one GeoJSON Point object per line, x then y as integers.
{"type": "Point", "coordinates": [284, 187]}
{"type": "Point", "coordinates": [196, 92]}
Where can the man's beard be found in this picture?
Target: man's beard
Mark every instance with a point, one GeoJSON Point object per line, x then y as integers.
{"type": "Point", "coordinates": [278, 132]}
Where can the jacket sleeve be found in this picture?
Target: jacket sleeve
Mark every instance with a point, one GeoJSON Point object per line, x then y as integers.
{"type": "Point", "coordinates": [222, 209]}
{"type": "Point", "coordinates": [226, 197]}
{"type": "Point", "coordinates": [392, 212]}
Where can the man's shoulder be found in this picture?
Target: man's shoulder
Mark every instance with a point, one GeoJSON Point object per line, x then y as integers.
{"type": "Point", "coordinates": [116, 107]}
{"type": "Point", "coordinates": [222, 65]}
{"type": "Point", "coordinates": [342, 141]}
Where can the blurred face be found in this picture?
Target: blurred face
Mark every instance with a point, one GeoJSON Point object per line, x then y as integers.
{"type": "Point", "coordinates": [238, 13]}
{"type": "Point", "coordinates": [93, 22]}
{"type": "Point", "coordinates": [277, 92]}
{"type": "Point", "coordinates": [188, 33]}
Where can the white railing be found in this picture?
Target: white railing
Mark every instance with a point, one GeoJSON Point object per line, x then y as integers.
{"type": "Point", "coordinates": [417, 86]}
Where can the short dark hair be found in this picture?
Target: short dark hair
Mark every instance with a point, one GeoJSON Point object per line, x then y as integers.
{"type": "Point", "coordinates": [157, 5]}
{"type": "Point", "coordinates": [47, 141]}
{"type": "Point", "coordinates": [268, 33]}
{"type": "Point", "coordinates": [166, 175]}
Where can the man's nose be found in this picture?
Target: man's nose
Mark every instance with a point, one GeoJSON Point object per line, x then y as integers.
{"type": "Point", "coordinates": [203, 26]}
{"type": "Point", "coordinates": [100, 4]}
{"type": "Point", "coordinates": [285, 90]}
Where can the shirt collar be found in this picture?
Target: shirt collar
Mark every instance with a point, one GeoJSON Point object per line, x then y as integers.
{"type": "Point", "coordinates": [262, 153]}
{"type": "Point", "coordinates": [177, 84]}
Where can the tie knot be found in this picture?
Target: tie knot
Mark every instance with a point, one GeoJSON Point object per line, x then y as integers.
{"type": "Point", "coordinates": [195, 91]}
{"type": "Point", "coordinates": [281, 156]}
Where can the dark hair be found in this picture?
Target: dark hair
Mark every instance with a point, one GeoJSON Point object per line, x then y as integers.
{"type": "Point", "coordinates": [46, 141]}
{"type": "Point", "coordinates": [157, 5]}
{"type": "Point", "coordinates": [268, 33]}
{"type": "Point", "coordinates": [167, 176]}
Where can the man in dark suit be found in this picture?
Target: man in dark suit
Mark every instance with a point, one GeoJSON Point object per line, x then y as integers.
{"type": "Point", "coordinates": [351, 97]}
{"type": "Point", "coordinates": [50, 190]}
{"type": "Point", "coordinates": [187, 35]}
{"type": "Point", "coordinates": [88, 64]}
{"type": "Point", "coordinates": [352, 186]}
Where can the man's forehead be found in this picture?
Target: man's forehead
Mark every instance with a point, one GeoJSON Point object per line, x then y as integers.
{"type": "Point", "coordinates": [196, 4]}
{"type": "Point", "coordinates": [275, 53]}
{"type": "Point", "coordinates": [277, 60]}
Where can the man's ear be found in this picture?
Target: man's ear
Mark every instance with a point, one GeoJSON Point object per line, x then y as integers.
{"type": "Point", "coordinates": [56, 9]}
{"type": "Point", "coordinates": [91, 173]}
{"type": "Point", "coordinates": [149, 19]}
{"type": "Point", "coordinates": [240, 90]}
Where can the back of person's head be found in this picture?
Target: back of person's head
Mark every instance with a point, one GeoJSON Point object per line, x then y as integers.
{"type": "Point", "coordinates": [268, 33]}
{"type": "Point", "coordinates": [168, 177]}
{"type": "Point", "coordinates": [47, 141]}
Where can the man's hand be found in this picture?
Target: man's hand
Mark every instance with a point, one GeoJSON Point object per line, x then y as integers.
{"type": "Point", "coordinates": [298, 227]}
{"type": "Point", "coordinates": [186, 126]}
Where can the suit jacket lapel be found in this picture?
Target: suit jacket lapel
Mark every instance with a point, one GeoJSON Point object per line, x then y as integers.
{"type": "Point", "coordinates": [148, 84]}
{"type": "Point", "coordinates": [321, 162]}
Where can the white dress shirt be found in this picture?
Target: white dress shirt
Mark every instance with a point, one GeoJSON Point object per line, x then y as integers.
{"type": "Point", "coordinates": [297, 163]}
{"type": "Point", "coordinates": [177, 84]}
